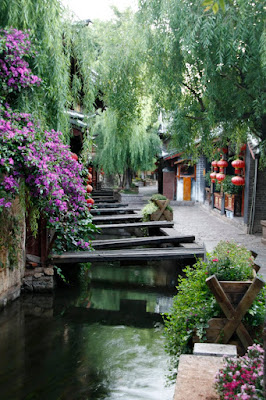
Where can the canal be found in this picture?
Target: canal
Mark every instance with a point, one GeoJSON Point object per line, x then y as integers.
{"type": "Point", "coordinates": [99, 337]}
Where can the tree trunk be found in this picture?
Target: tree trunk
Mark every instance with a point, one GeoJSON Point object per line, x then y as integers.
{"type": "Point", "coordinates": [128, 175]}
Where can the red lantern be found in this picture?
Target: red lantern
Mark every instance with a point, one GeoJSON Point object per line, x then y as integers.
{"type": "Point", "coordinates": [213, 177]}
{"type": "Point", "coordinates": [243, 147]}
{"type": "Point", "coordinates": [90, 169]}
{"type": "Point", "coordinates": [74, 156]}
{"type": "Point", "coordinates": [238, 180]}
{"type": "Point", "coordinates": [238, 164]}
{"type": "Point", "coordinates": [224, 150]}
{"type": "Point", "coordinates": [90, 201]}
{"type": "Point", "coordinates": [214, 164]}
{"type": "Point", "coordinates": [222, 164]}
{"type": "Point", "coordinates": [89, 188]}
{"type": "Point", "coordinates": [220, 177]}
{"type": "Point", "coordinates": [89, 177]}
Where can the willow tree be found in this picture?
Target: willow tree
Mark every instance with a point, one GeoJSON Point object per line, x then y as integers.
{"type": "Point", "coordinates": [211, 68]}
{"type": "Point", "coordinates": [126, 137]}
{"type": "Point", "coordinates": [60, 46]}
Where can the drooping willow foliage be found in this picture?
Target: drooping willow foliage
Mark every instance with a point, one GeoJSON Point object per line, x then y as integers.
{"type": "Point", "coordinates": [116, 153]}
{"type": "Point", "coordinates": [126, 131]}
{"type": "Point", "coordinates": [211, 68]}
{"type": "Point", "coordinates": [63, 60]}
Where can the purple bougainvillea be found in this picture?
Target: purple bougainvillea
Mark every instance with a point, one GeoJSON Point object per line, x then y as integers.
{"type": "Point", "coordinates": [54, 180]}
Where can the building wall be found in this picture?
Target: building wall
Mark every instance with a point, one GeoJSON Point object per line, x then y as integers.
{"type": "Point", "coordinates": [200, 180]}
{"type": "Point", "coordinates": [169, 184]}
{"type": "Point", "coordinates": [197, 185]}
{"type": "Point", "coordinates": [11, 276]}
{"type": "Point", "coordinates": [260, 198]}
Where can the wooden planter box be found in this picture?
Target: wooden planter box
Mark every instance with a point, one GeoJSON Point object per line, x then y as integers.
{"type": "Point", "coordinates": [234, 298]}
{"type": "Point", "coordinates": [232, 202]}
{"type": "Point", "coordinates": [218, 201]}
{"type": "Point", "coordinates": [162, 214]}
{"type": "Point", "coordinates": [167, 216]}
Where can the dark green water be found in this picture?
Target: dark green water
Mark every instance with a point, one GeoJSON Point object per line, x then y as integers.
{"type": "Point", "coordinates": [97, 340]}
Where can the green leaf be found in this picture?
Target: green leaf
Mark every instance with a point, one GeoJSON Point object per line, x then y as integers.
{"type": "Point", "coordinates": [222, 4]}
{"type": "Point", "coordinates": [215, 8]}
{"type": "Point", "coordinates": [207, 3]}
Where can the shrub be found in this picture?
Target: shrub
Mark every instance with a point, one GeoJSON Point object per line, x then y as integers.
{"type": "Point", "coordinates": [229, 187]}
{"type": "Point", "coordinates": [231, 262]}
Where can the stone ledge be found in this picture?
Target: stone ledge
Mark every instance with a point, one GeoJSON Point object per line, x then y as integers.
{"type": "Point", "coordinates": [215, 349]}
{"type": "Point", "coordinates": [9, 295]}
{"type": "Point", "coordinates": [195, 377]}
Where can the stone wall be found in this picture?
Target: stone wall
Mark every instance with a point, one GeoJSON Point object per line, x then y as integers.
{"type": "Point", "coordinates": [200, 180]}
{"type": "Point", "coordinates": [260, 199]}
{"type": "Point", "coordinates": [13, 234]}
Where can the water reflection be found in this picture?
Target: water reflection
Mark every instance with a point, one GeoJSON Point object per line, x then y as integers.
{"type": "Point", "coordinates": [85, 342]}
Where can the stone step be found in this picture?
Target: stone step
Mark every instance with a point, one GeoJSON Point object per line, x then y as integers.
{"type": "Point", "coordinates": [195, 377]}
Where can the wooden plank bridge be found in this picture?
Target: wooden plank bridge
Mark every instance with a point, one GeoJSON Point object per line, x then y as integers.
{"type": "Point", "coordinates": [112, 218]}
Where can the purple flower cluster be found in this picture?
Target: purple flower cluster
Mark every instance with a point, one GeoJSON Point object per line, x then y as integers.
{"type": "Point", "coordinates": [14, 70]}
{"type": "Point", "coordinates": [53, 177]}
{"type": "Point", "coordinates": [54, 180]}
{"type": "Point", "coordinates": [242, 378]}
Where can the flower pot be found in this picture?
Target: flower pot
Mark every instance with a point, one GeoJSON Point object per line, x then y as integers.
{"type": "Point", "coordinates": [234, 298]}
{"type": "Point", "coordinates": [159, 215]}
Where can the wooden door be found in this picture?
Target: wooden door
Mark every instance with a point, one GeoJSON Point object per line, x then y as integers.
{"type": "Point", "coordinates": [187, 189]}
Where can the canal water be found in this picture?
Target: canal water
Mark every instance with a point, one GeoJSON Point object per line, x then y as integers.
{"type": "Point", "coordinates": [100, 337]}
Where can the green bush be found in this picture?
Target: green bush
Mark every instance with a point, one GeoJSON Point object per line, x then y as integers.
{"type": "Point", "coordinates": [229, 187]}
{"type": "Point", "coordinates": [149, 209]}
{"type": "Point", "coordinates": [158, 196]}
{"type": "Point", "coordinates": [231, 262]}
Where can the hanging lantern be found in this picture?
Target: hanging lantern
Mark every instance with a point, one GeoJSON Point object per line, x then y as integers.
{"type": "Point", "coordinates": [89, 188]}
{"type": "Point", "coordinates": [224, 150]}
{"type": "Point", "coordinates": [238, 180]}
{"type": "Point", "coordinates": [90, 169]}
{"type": "Point", "coordinates": [89, 177]}
{"type": "Point", "coordinates": [74, 156]}
{"type": "Point", "coordinates": [222, 164]}
{"type": "Point", "coordinates": [213, 177]}
{"type": "Point", "coordinates": [214, 164]}
{"type": "Point", "coordinates": [243, 147]}
{"type": "Point", "coordinates": [90, 201]}
{"type": "Point", "coordinates": [238, 164]}
{"type": "Point", "coordinates": [220, 177]}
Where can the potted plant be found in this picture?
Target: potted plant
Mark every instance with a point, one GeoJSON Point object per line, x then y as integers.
{"type": "Point", "coordinates": [195, 307]}
{"type": "Point", "coordinates": [232, 195]}
{"type": "Point", "coordinates": [157, 209]}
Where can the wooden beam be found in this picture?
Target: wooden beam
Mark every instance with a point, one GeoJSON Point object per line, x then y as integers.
{"type": "Point", "coordinates": [114, 218]}
{"type": "Point", "coordinates": [153, 224]}
{"type": "Point", "coordinates": [140, 241]}
{"type": "Point", "coordinates": [128, 254]}
{"type": "Point", "coordinates": [117, 210]}
{"type": "Point", "coordinates": [112, 205]}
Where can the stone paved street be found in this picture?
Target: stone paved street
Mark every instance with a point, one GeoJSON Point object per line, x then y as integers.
{"type": "Point", "coordinates": [209, 227]}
